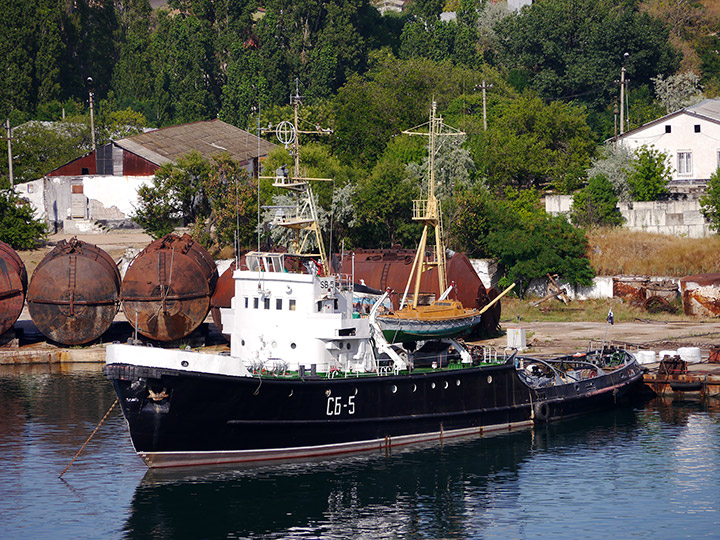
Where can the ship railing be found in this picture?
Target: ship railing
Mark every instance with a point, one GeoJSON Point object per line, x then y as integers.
{"type": "Point", "coordinates": [344, 282]}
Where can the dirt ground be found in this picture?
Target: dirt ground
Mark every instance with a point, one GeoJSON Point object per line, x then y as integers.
{"type": "Point", "coordinates": [569, 337]}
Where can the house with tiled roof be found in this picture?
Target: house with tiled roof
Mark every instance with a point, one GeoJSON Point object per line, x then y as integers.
{"type": "Point", "coordinates": [101, 186]}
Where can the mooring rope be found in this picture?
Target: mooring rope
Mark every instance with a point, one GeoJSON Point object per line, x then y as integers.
{"type": "Point", "coordinates": [91, 436]}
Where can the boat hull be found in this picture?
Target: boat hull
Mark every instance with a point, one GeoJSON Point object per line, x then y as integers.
{"type": "Point", "coordinates": [179, 418]}
{"type": "Point", "coordinates": [398, 330]}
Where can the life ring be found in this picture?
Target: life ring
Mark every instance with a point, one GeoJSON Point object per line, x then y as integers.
{"type": "Point", "coordinates": [542, 411]}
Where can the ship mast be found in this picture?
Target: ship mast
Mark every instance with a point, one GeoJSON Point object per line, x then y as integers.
{"type": "Point", "coordinates": [428, 210]}
{"type": "Point", "coordinates": [303, 221]}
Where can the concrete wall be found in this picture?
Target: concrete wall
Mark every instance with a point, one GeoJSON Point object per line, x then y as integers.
{"type": "Point", "coordinates": [108, 199]}
{"type": "Point", "coordinates": [678, 218]}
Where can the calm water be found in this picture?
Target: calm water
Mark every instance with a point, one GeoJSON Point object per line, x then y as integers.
{"type": "Point", "coordinates": [652, 472]}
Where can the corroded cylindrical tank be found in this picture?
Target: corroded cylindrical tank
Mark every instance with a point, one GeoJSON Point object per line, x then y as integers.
{"type": "Point", "coordinates": [166, 290]}
{"type": "Point", "coordinates": [223, 295]}
{"type": "Point", "coordinates": [73, 293]}
{"type": "Point", "coordinates": [390, 268]}
{"type": "Point", "coordinates": [13, 286]}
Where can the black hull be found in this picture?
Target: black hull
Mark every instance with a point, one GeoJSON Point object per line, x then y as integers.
{"type": "Point", "coordinates": [178, 418]}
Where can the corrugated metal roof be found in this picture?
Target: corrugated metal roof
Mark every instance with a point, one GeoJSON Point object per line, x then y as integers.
{"type": "Point", "coordinates": [208, 138]}
{"type": "Point", "coordinates": [709, 108]}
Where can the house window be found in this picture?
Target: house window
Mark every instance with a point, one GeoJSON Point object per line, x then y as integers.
{"type": "Point", "coordinates": [246, 302]}
{"type": "Point", "coordinates": [291, 304]}
{"type": "Point", "coordinates": [668, 129]}
{"type": "Point", "coordinates": [266, 303]}
{"type": "Point", "coordinates": [278, 303]}
{"type": "Point", "coordinates": [697, 128]}
{"type": "Point", "coordinates": [255, 303]}
{"type": "Point", "coordinates": [684, 165]}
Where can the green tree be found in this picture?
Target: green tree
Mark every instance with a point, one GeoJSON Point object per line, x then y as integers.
{"type": "Point", "coordinates": [649, 174]}
{"type": "Point", "coordinates": [613, 163]}
{"type": "Point", "coordinates": [216, 197]}
{"type": "Point", "coordinates": [383, 202]}
{"type": "Point", "coordinates": [596, 205]}
{"type": "Point", "coordinates": [574, 49]}
{"type": "Point", "coordinates": [393, 95]}
{"type": "Point", "coordinates": [38, 148]}
{"type": "Point", "coordinates": [710, 202]}
{"type": "Point", "coordinates": [18, 225]}
{"type": "Point", "coordinates": [527, 241]}
{"type": "Point", "coordinates": [533, 144]}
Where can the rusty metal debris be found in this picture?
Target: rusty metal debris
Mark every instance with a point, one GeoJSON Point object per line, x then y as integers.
{"type": "Point", "coordinates": [166, 291]}
{"type": "Point", "coordinates": [13, 286]}
{"type": "Point", "coordinates": [701, 295]}
{"type": "Point", "coordinates": [658, 304]}
{"type": "Point", "coordinates": [73, 293]}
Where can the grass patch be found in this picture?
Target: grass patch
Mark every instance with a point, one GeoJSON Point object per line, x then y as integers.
{"type": "Point", "coordinates": [623, 252]}
{"type": "Point", "coordinates": [595, 310]}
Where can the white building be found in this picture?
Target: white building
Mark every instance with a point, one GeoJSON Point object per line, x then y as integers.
{"type": "Point", "coordinates": [690, 137]}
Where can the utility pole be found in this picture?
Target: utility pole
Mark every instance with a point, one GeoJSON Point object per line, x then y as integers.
{"type": "Point", "coordinates": [484, 86]}
{"type": "Point", "coordinates": [92, 117]}
{"type": "Point", "coordinates": [623, 83]}
{"type": "Point", "coordinates": [10, 163]}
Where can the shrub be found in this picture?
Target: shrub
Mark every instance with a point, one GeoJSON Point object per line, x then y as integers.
{"type": "Point", "coordinates": [18, 226]}
{"type": "Point", "coordinates": [596, 205]}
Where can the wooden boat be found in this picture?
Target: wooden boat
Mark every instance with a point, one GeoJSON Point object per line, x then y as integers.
{"type": "Point", "coordinates": [442, 318]}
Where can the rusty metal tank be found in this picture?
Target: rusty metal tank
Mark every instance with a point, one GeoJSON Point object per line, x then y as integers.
{"type": "Point", "coordinates": [13, 286]}
{"type": "Point", "coordinates": [166, 290]}
{"type": "Point", "coordinates": [223, 295]}
{"type": "Point", "coordinates": [73, 293]}
{"type": "Point", "coordinates": [390, 268]}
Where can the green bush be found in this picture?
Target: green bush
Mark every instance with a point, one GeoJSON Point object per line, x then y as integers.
{"type": "Point", "coordinates": [596, 205]}
{"type": "Point", "coordinates": [18, 226]}
{"type": "Point", "coordinates": [649, 174]}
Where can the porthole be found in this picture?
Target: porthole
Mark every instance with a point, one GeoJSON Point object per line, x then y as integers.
{"type": "Point", "coordinates": [489, 379]}
{"type": "Point", "coordinates": [328, 392]}
{"type": "Point", "coordinates": [292, 345]}
{"type": "Point", "coordinates": [446, 385]}
{"type": "Point", "coordinates": [184, 363]}
{"type": "Point", "coordinates": [347, 346]}
{"type": "Point", "coordinates": [457, 383]}
{"type": "Point", "coordinates": [355, 392]}
{"type": "Point", "coordinates": [414, 388]}
{"type": "Point", "coordinates": [393, 389]}
{"type": "Point", "coordinates": [242, 342]}
{"type": "Point", "coordinates": [291, 392]}
{"type": "Point", "coordinates": [274, 344]}
{"type": "Point", "coordinates": [432, 386]}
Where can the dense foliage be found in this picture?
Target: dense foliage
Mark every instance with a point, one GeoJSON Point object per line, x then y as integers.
{"type": "Point", "coordinates": [710, 202]}
{"type": "Point", "coordinates": [549, 73]}
{"type": "Point", "coordinates": [596, 205]}
{"type": "Point", "coordinates": [527, 241]}
{"type": "Point", "coordinates": [216, 198]}
{"type": "Point", "coordinates": [649, 174]}
{"type": "Point", "coordinates": [18, 225]}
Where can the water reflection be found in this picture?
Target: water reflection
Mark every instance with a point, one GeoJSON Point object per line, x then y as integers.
{"type": "Point", "coordinates": [439, 491]}
{"type": "Point", "coordinates": [651, 472]}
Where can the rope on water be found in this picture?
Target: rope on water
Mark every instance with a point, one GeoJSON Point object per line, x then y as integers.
{"type": "Point", "coordinates": [91, 436]}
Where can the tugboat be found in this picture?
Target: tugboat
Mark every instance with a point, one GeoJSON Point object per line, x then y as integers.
{"type": "Point", "coordinates": [306, 377]}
